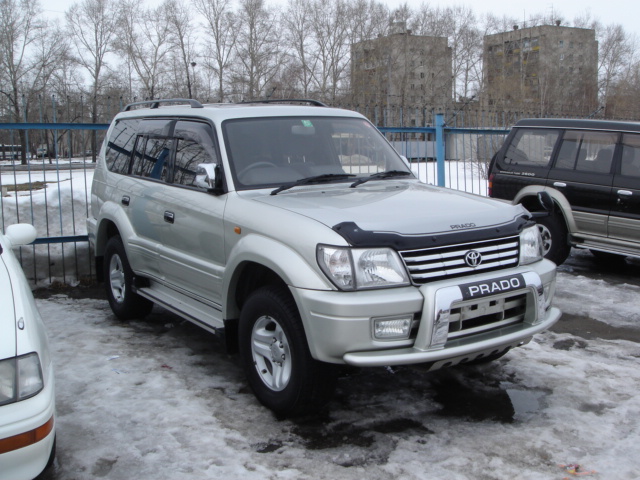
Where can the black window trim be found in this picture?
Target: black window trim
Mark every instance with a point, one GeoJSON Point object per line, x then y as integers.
{"type": "Point", "coordinates": [171, 134]}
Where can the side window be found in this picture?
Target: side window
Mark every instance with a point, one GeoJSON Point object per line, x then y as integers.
{"type": "Point", "coordinates": [120, 145]}
{"type": "Point", "coordinates": [630, 164]}
{"type": "Point", "coordinates": [194, 146]}
{"type": "Point", "coordinates": [590, 152]}
{"type": "Point", "coordinates": [532, 148]}
{"type": "Point", "coordinates": [151, 157]}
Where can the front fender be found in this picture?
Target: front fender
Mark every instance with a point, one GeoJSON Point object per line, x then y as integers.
{"type": "Point", "coordinates": [292, 267]}
{"type": "Point", "coordinates": [528, 195]}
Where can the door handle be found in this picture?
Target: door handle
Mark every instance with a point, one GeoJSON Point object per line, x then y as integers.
{"type": "Point", "coordinates": [626, 193]}
{"type": "Point", "coordinates": [125, 200]}
{"type": "Point", "coordinates": [169, 217]}
{"type": "Point", "coordinates": [559, 184]}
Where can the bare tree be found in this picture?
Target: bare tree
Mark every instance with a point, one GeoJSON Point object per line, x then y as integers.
{"type": "Point", "coordinates": [616, 51]}
{"type": "Point", "coordinates": [330, 28]}
{"type": "Point", "coordinates": [299, 35]}
{"type": "Point", "coordinates": [183, 43]}
{"type": "Point", "coordinates": [257, 48]}
{"type": "Point", "coordinates": [219, 28]}
{"type": "Point", "coordinates": [26, 57]}
{"type": "Point", "coordinates": [368, 19]}
{"type": "Point", "coordinates": [143, 37]}
{"type": "Point", "coordinates": [92, 26]}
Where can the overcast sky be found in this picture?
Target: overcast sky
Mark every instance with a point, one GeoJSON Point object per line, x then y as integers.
{"type": "Point", "coordinates": [625, 12]}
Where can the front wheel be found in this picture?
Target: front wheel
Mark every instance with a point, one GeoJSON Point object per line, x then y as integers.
{"type": "Point", "coordinates": [118, 279]}
{"type": "Point", "coordinates": [275, 355]}
{"type": "Point", "coordinates": [554, 238]}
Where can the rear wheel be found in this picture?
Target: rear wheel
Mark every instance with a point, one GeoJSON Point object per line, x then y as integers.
{"type": "Point", "coordinates": [554, 238]}
{"type": "Point", "coordinates": [118, 280]}
{"type": "Point", "coordinates": [276, 358]}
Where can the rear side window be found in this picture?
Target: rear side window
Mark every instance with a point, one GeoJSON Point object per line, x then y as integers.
{"type": "Point", "coordinates": [120, 145]}
{"type": "Point", "coordinates": [630, 164]}
{"type": "Point", "coordinates": [531, 148]}
{"type": "Point", "coordinates": [152, 157]}
{"type": "Point", "coordinates": [585, 151]}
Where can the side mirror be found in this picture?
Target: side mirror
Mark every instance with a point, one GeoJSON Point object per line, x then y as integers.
{"type": "Point", "coordinates": [20, 234]}
{"type": "Point", "coordinates": [208, 177]}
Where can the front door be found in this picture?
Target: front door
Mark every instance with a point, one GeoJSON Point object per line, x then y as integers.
{"type": "Point", "coordinates": [582, 173]}
{"type": "Point", "coordinates": [624, 222]}
{"type": "Point", "coordinates": [192, 254]}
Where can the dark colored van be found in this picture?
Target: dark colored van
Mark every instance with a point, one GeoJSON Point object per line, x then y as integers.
{"type": "Point", "coordinates": [591, 169]}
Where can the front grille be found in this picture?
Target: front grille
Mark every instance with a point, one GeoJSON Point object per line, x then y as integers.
{"type": "Point", "coordinates": [486, 314]}
{"type": "Point", "coordinates": [431, 264]}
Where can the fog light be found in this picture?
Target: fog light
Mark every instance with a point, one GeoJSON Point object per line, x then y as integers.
{"type": "Point", "coordinates": [392, 328]}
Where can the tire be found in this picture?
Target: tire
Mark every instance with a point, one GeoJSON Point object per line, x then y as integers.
{"type": "Point", "coordinates": [118, 280]}
{"type": "Point", "coordinates": [554, 238]}
{"type": "Point", "coordinates": [275, 355]}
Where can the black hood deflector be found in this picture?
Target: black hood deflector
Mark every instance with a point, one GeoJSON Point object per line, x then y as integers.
{"type": "Point", "coordinates": [358, 237]}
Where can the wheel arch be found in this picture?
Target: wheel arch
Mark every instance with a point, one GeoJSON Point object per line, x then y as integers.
{"type": "Point", "coordinates": [528, 198]}
{"type": "Point", "coordinates": [113, 221]}
{"type": "Point", "coordinates": [266, 259]}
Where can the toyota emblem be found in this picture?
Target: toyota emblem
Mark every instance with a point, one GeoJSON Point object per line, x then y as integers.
{"type": "Point", "coordinates": [473, 258]}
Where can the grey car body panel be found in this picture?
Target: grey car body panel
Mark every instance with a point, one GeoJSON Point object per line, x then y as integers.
{"type": "Point", "coordinates": [194, 258]}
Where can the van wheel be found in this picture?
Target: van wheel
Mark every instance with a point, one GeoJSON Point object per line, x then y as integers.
{"type": "Point", "coordinates": [554, 238]}
{"type": "Point", "coordinates": [118, 280]}
{"type": "Point", "coordinates": [276, 358]}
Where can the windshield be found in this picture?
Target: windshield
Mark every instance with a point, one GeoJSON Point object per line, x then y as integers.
{"type": "Point", "coordinates": [274, 151]}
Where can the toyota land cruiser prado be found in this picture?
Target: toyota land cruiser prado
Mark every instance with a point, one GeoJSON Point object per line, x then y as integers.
{"type": "Point", "coordinates": [298, 232]}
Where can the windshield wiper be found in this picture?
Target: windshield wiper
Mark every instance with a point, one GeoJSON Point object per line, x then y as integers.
{"type": "Point", "coordinates": [327, 177]}
{"type": "Point", "coordinates": [381, 175]}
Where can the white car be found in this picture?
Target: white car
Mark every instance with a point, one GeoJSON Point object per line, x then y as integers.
{"type": "Point", "coordinates": [27, 393]}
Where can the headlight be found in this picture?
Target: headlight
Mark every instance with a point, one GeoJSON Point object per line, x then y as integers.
{"type": "Point", "coordinates": [20, 378]}
{"type": "Point", "coordinates": [362, 268]}
{"type": "Point", "coordinates": [530, 246]}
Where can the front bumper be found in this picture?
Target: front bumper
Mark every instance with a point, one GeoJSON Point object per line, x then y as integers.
{"type": "Point", "coordinates": [339, 324]}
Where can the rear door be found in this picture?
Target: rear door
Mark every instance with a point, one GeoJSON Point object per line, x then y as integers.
{"type": "Point", "coordinates": [624, 220]}
{"type": "Point", "coordinates": [142, 193]}
{"type": "Point", "coordinates": [583, 174]}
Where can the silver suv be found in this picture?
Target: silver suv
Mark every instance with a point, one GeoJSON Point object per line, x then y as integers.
{"type": "Point", "coordinates": [299, 233]}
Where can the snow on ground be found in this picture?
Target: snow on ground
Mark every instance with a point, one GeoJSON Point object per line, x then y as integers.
{"type": "Point", "coordinates": [158, 399]}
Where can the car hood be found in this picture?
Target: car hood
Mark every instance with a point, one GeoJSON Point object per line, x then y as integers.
{"type": "Point", "coordinates": [7, 316]}
{"type": "Point", "coordinates": [401, 207]}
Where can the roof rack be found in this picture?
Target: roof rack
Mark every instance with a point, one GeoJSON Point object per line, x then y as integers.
{"type": "Point", "coordinates": [315, 103]}
{"type": "Point", "coordinates": [156, 103]}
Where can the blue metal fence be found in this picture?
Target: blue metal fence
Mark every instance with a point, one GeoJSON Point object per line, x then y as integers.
{"type": "Point", "coordinates": [52, 190]}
